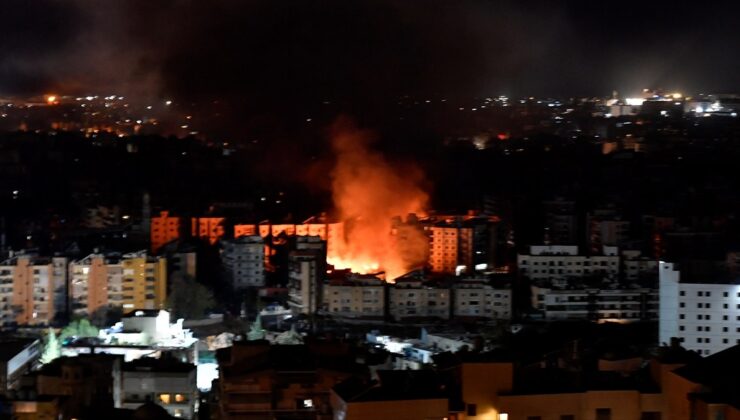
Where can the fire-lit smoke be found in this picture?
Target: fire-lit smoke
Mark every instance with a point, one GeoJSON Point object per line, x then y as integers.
{"type": "Point", "coordinates": [368, 194]}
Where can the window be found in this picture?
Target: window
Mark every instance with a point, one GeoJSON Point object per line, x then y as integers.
{"type": "Point", "coordinates": [164, 398]}
{"type": "Point", "coordinates": [181, 398]}
{"type": "Point", "coordinates": [682, 293]}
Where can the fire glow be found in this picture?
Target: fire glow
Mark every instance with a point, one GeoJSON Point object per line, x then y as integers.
{"type": "Point", "coordinates": [368, 193]}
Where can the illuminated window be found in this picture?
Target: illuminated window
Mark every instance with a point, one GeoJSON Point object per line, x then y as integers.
{"type": "Point", "coordinates": [503, 416]}
{"type": "Point", "coordinates": [180, 398]}
{"type": "Point", "coordinates": [164, 398]}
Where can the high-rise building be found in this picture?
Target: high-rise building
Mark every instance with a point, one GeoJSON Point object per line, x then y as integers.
{"type": "Point", "coordinates": [210, 228]}
{"type": "Point", "coordinates": [31, 290]}
{"type": "Point", "coordinates": [164, 229]}
{"type": "Point", "coordinates": [244, 261]}
{"type": "Point", "coordinates": [699, 305]}
{"type": "Point", "coordinates": [132, 281]}
{"type": "Point", "coordinates": [451, 249]}
{"type": "Point", "coordinates": [306, 272]}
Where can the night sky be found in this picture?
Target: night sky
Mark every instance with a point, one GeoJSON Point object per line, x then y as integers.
{"type": "Point", "coordinates": [276, 52]}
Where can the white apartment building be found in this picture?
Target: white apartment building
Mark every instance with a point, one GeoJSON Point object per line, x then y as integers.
{"type": "Point", "coordinates": [476, 298]}
{"type": "Point", "coordinates": [358, 296]}
{"type": "Point", "coordinates": [244, 261]}
{"type": "Point", "coordinates": [559, 262]}
{"type": "Point", "coordinates": [166, 381]}
{"type": "Point", "coordinates": [596, 304]}
{"type": "Point", "coordinates": [704, 314]}
{"type": "Point", "coordinates": [409, 298]}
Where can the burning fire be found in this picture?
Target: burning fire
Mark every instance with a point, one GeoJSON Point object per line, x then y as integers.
{"type": "Point", "coordinates": [368, 193]}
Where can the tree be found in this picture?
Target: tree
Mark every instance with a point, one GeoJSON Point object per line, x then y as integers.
{"type": "Point", "coordinates": [189, 299]}
{"type": "Point", "coordinates": [79, 328]}
{"type": "Point", "coordinates": [52, 347]}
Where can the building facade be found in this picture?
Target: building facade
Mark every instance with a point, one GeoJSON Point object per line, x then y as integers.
{"type": "Point", "coordinates": [704, 314]}
{"type": "Point", "coordinates": [164, 228]}
{"type": "Point", "coordinates": [127, 282]}
{"type": "Point", "coordinates": [243, 260]}
{"type": "Point", "coordinates": [32, 290]}
{"type": "Point", "coordinates": [165, 381]}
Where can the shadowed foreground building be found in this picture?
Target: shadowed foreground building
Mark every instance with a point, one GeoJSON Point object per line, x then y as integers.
{"type": "Point", "coordinates": [263, 382]}
{"type": "Point", "coordinates": [675, 385]}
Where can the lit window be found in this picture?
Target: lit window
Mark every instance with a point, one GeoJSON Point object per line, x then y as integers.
{"type": "Point", "coordinates": [180, 398]}
{"type": "Point", "coordinates": [164, 398]}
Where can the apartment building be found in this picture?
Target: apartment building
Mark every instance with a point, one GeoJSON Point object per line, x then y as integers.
{"type": "Point", "coordinates": [559, 262]}
{"type": "Point", "coordinates": [129, 281]}
{"type": "Point", "coordinates": [32, 290]}
{"type": "Point", "coordinates": [306, 272]}
{"type": "Point", "coordinates": [164, 228]}
{"type": "Point", "coordinates": [411, 298]}
{"type": "Point", "coordinates": [596, 304]}
{"type": "Point", "coordinates": [699, 305]}
{"type": "Point", "coordinates": [355, 296]}
{"type": "Point", "coordinates": [210, 228]}
{"type": "Point", "coordinates": [243, 260]}
{"type": "Point", "coordinates": [450, 249]}
{"type": "Point", "coordinates": [475, 298]}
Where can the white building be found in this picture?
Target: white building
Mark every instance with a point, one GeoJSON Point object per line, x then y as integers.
{"type": "Point", "coordinates": [358, 296]}
{"type": "Point", "coordinates": [704, 314]}
{"type": "Point", "coordinates": [409, 298]}
{"type": "Point", "coordinates": [244, 261]}
{"type": "Point", "coordinates": [559, 262]}
{"type": "Point", "coordinates": [477, 298]}
{"type": "Point", "coordinates": [166, 381]}
{"type": "Point", "coordinates": [596, 304]}
{"type": "Point", "coordinates": [143, 332]}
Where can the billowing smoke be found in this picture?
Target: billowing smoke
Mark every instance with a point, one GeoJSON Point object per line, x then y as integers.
{"type": "Point", "coordinates": [368, 194]}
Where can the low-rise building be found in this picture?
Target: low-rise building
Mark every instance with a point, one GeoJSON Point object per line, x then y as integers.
{"type": "Point", "coordinates": [355, 296]}
{"type": "Point", "coordinates": [17, 357]}
{"type": "Point", "coordinates": [165, 381]}
{"type": "Point", "coordinates": [263, 381]}
{"type": "Point", "coordinates": [141, 333]}
{"type": "Point", "coordinates": [560, 262]}
{"type": "Point", "coordinates": [596, 303]}
{"type": "Point", "coordinates": [476, 298]}
{"type": "Point", "coordinates": [410, 297]}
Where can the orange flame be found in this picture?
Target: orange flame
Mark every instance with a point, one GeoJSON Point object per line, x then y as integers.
{"type": "Point", "coordinates": [368, 192]}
